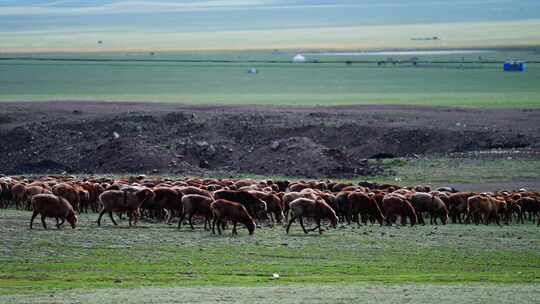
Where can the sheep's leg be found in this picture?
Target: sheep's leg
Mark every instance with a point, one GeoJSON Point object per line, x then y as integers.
{"type": "Point", "coordinates": [364, 218]}
{"type": "Point", "coordinates": [182, 217]}
{"type": "Point", "coordinates": [278, 214]}
{"type": "Point", "coordinates": [190, 221]}
{"type": "Point", "coordinates": [359, 217]}
{"type": "Point", "coordinates": [100, 216]}
{"type": "Point", "coordinates": [218, 226]}
{"type": "Point", "coordinates": [388, 218]}
{"type": "Point", "coordinates": [136, 215]}
{"type": "Point", "coordinates": [420, 218]}
{"type": "Point", "coordinates": [497, 219]}
{"type": "Point", "coordinates": [467, 218]}
{"type": "Point", "coordinates": [234, 232]}
{"type": "Point", "coordinates": [58, 225]}
{"type": "Point", "coordinates": [206, 221]}
{"type": "Point", "coordinates": [271, 217]}
{"type": "Point", "coordinates": [32, 219]}
{"type": "Point", "coordinates": [43, 221]}
{"type": "Point", "coordinates": [302, 224]}
{"type": "Point", "coordinates": [403, 220]}
{"type": "Point", "coordinates": [170, 216]}
{"type": "Point", "coordinates": [289, 225]}
{"type": "Point", "coordinates": [214, 225]}
{"type": "Point", "coordinates": [112, 218]}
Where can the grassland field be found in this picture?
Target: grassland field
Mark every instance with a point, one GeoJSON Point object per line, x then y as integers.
{"type": "Point", "coordinates": [154, 260]}
{"type": "Point", "coordinates": [284, 84]}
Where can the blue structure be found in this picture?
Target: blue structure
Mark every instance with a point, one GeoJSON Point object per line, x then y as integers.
{"type": "Point", "coordinates": [515, 66]}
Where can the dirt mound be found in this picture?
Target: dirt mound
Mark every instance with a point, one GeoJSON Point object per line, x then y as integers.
{"type": "Point", "coordinates": [311, 142]}
{"type": "Point", "coordinates": [302, 156]}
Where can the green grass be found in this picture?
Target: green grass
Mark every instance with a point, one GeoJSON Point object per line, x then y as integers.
{"type": "Point", "coordinates": [276, 84]}
{"type": "Point", "coordinates": [440, 170]}
{"type": "Point", "coordinates": [158, 255]}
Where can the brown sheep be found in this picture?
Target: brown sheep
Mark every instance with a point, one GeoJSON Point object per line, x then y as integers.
{"type": "Point", "coordinates": [274, 205]}
{"type": "Point", "coordinates": [223, 210]}
{"type": "Point", "coordinates": [165, 199]}
{"type": "Point", "coordinates": [297, 187]}
{"type": "Point", "coordinates": [94, 190]}
{"type": "Point", "coordinates": [5, 194]}
{"type": "Point", "coordinates": [432, 204]}
{"type": "Point", "coordinates": [484, 208]}
{"type": "Point", "coordinates": [18, 194]}
{"type": "Point", "coordinates": [127, 200]}
{"type": "Point", "coordinates": [68, 192]}
{"type": "Point", "coordinates": [337, 187]}
{"type": "Point", "coordinates": [289, 197]}
{"type": "Point", "coordinates": [84, 199]}
{"type": "Point", "coordinates": [195, 204]}
{"type": "Point", "coordinates": [316, 209]}
{"type": "Point", "coordinates": [531, 206]}
{"type": "Point", "coordinates": [254, 205]}
{"type": "Point", "coordinates": [49, 205]}
{"type": "Point", "coordinates": [364, 205]}
{"type": "Point", "coordinates": [394, 205]}
{"type": "Point", "coordinates": [194, 190]}
{"type": "Point", "coordinates": [457, 205]}
{"type": "Point", "coordinates": [31, 191]}
{"type": "Point", "coordinates": [343, 206]}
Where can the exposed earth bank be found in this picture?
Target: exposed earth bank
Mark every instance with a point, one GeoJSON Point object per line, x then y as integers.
{"type": "Point", "coordinates": [104, 137]}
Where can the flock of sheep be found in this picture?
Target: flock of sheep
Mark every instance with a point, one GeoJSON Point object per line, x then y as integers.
{"type": "Point", "coordinates": [252, 202]}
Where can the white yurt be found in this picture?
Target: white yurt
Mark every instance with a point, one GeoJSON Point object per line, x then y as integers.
{"type": "Point", "coordinates": [299, 58]}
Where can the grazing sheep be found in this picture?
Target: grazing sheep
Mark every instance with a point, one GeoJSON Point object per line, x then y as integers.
{"type": "Point", "coordinates": [316, 209]}
{"type": "Point", "coordinates": [530, 205]}
{"type": "Point", "coordinates": [432, 204]}
{"type": "Point", "coordinates": [5, 194]}
{"type": "Point", "coordinates": [457, 205]}
{"type": "Point", "coordinates": [484, 208]}
{"type": "Point", "coordinates": [18, 193]}
{"type": "Point", "coordinates": [365, 205]}
{"type": "Point", "coordinates": [254, 205]}
{"type": "Point", "coordinates": [195, 204]}
{"type": "Point", "coordinates": [128, 200]}
{"type": "Point", "coordinates": [289, 197]}
{"type": "Point", "coordinates": [274, 205]}
{"type": "Point", "coordinates": [223, 210]}
{"type": "Point", "coordinates": [94, 190]}
{"type": "Point", "coordinates": [394, 205]}
{"type": "Point", "coordinates": [50, 205]}
{"type": "Point", "coordinates": [165, 199]}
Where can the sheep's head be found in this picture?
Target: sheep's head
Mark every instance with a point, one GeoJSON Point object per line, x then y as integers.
{"type": "Point", "coordinates": [72, 219]}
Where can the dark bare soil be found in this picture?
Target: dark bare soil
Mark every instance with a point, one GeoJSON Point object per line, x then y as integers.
{"type": "Point", "coordinates": [101, 137]}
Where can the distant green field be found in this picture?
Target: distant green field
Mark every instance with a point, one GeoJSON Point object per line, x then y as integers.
{"type": "Point", "coordinates": [284, 84]}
